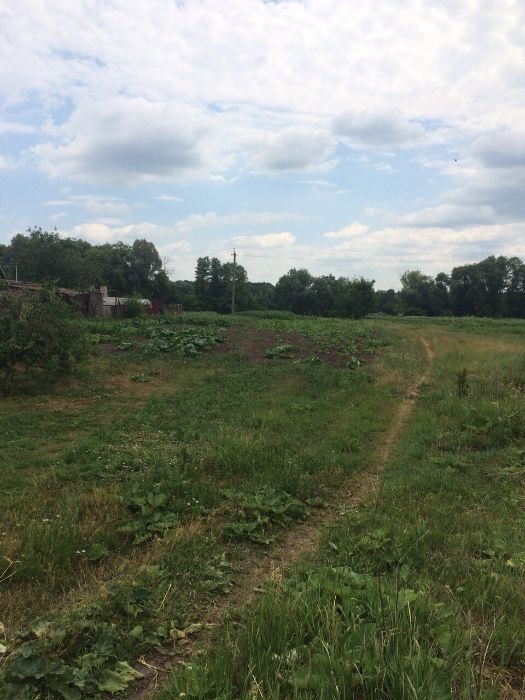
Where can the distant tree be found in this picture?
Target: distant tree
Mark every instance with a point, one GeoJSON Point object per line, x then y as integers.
{"type": "Point", "coordinates": [357, 298]}
{"type": "Point", "coordinates": [201, 287]}
{"type": "Point", "coordinates": [144, 265]}
{"type": "Point", "coordinates": [262, 295]}
{"type": "Point", "coordinates": [294, 292]}
{"type": "Point", "coordinates": [242, 291]}
{"type": "Point", "coordinates": [386, 302]}
{"type": "Point", "coordinates": [515, 289]}
{"type": "Point", "coordinates": [217, 285]}
{"type": "Point", "coordinates": [323, 292]}
{"type": "Point", "coordinates": [46, 256]}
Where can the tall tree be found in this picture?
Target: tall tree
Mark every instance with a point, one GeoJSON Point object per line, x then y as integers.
{"type": "Point", "coordinates": [201, 287]}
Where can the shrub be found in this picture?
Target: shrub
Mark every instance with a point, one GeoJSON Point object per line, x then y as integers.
{"type": "Point", "coordinates": [133, 308]}
{"type": "Point", "coordinates": [37, 332]}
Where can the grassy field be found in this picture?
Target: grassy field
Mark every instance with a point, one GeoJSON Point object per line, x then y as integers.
{"type": "Point", "coordinates": [144, 491]}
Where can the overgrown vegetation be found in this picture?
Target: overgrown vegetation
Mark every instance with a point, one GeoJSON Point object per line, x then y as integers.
{"type": "Point", "coordinates": [37, 334]}
{"type": "Point", "coordinates": [170, 490]}
{"type": "Point", "coordinates": [172, 475]}
{"type": "Point", "coordinates": [419, 595]}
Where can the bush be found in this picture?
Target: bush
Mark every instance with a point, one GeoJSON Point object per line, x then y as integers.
{"type": "Point", "coordinates": [133, 308]}
{"type": "Point", "coordinates": [37, 333]}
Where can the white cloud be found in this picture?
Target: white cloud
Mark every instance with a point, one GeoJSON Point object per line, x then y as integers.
{"type": "Point", "coordinates": [168, 198]}
{"type": "Point", "coordinates": [376, 129]}
{"type": "Point", "coordinates": [124, 140]}
{"type": "Point", "coordinates": [267, 240]}
{"type": "Point", "coordinates": [294, 149]}
{"type": "Point", "coordinates": [242, 218]}
{"type": "Point", "coordinates": [99, 232]}
{"type": "Point", "coordinates": [349, 231]}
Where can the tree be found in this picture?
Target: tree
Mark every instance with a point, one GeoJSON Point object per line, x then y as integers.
{"type": "Point", "coordinates": [202, 282]}
{"type": "Point", "coordinates": [357, 297]}
{"type": "Point", "coordinates": [242, 292]}
{"type": "Point", "coordinates": [217, 285]}
{"type": "Point", "coordinates": [294, 292]}
{"type": "Point", "coordinates": [386, 302]}
{"type": "Point", "coordinates": [515, 289]}
{"type": "Point", "coordinates": [145, 264]}
{"type": "Point", "coordinates": [262, 295]}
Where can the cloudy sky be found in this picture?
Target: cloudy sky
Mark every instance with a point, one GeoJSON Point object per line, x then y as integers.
{"type": "Point", "coordinates": [361, 137]}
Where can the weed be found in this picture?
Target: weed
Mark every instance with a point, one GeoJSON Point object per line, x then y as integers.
{"type": "Point", "coordinates": [261, 512]}
{"type": "Point", "coordinates": [279, 351]}
{"type": "Point", "coordinates": [141, 378]}
{"type": "Point", "coordinates": [462, 383]}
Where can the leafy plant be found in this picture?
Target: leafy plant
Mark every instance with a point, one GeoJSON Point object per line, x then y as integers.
{"type": "Point", "coordinates": [187, 342]}
{"type": "Point", "coordinates": [261, 512]}
{"type": "Point", "coordinates": [279, 351]}
{"type": "Point", "coordinates": [218, 576]}
{"type": "Point", "coordinates": [86, 652]}
{"type": "Point", "coordinates": [151, 515]}
{"type": "Point", "coordinates": [354, 363]}
{"type": "Point", "coordinates": [141, 378]}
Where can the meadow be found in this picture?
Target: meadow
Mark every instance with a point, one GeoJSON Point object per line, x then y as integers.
{"type": "Point", "coordinates": [206, 508]}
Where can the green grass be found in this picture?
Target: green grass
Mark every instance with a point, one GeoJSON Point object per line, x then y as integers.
{"type": "Point", "coordinates": [129, 507]}
{"type": "Point", "coordinates": [213, 456]}
{"type": "Point", "coordinates": [421, 594]}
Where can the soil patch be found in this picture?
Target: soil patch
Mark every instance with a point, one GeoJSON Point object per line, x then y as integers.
{"type": "Point", "coordinates": [255, 343]}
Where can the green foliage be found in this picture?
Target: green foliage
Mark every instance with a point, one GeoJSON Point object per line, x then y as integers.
{"type": "Point", "coordinates": [217, 576]}
{"type": "Point", "coordinates": [86, 652]}
{"type": "Point", "coordinates": [133, 308]}
{"type": "Point", "coordinates": [37, 333]}
{"type": "Point", "coordinates": [279, 351]}
{"type": "Point", "coordinates": [335, 633]}
{"type": "Point", "coordinates": [261, 512]}
{"type": "Point", "coordinates": [300, 292]}
{"type": "Point", "coordinates": [213, 285]}
{"type": "Point", "coordinates": [462, 383]}
{"type": "Point", "coordinates": [74, 263]}
{"type": "Point", "coordinates": [152, 515]}
{"type": "Point", "coordinates": [187, 342]}
{"type": "Point", "coordinates": [140, 378]}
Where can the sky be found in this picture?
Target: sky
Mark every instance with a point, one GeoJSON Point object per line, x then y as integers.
{"type": "Point", "coordinates": [353, 138]}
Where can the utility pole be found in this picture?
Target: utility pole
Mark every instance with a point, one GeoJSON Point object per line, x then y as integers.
{"type": "Point", "coordinates": [233, 280]}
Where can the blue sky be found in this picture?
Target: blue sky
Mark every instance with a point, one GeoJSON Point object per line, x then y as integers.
{"type": "Point", "coordinates": [353, 138]}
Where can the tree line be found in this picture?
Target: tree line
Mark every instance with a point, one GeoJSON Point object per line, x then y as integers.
{"type": "Point", "coordinates": [493, 287]}
{"type": "Point", "coordinates": [44, 256]}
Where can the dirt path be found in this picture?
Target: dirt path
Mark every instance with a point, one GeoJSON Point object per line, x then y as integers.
{"type": "Point", "coordinates": [295, 544]}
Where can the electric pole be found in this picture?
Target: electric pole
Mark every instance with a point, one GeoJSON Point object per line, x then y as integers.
{"type": "Point", "coordinates": [233, 280]}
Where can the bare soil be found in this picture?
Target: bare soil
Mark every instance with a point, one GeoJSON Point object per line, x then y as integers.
{"type": "Point", "coordinates": [254, 343]}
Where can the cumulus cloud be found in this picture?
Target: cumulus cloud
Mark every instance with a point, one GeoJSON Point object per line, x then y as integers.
{"type": "Point", "coordinates": [450, 215]}
{"type": "Point", "coordinates": [504, 150]}
{"type": "Point", "coordinates": [267, 240]}
{"type": "Point", "coordinates": [102, 232]}
{"type": "Point", "coordinates": [294, 149]}
{"type": "Point", "coordinates": [168, 198]}
{"type": "Point", "coordinates": [349, 231]}
{"type": "Point", "coordinates": [242, 218]}
{"type": "Point", "coordinates": [141, 93]}
{"type": "Point", "coordinates": [379, 130]}
{"type": "Point", "coordinates": [124, 140]}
